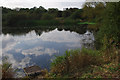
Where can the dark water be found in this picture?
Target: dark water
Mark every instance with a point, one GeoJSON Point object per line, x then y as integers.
{"type": "Point", "coordinates": [33, 47]}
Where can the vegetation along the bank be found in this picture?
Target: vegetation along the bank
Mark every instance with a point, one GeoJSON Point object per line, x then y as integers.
{"type": "Point", "coordinates": [40, 16]}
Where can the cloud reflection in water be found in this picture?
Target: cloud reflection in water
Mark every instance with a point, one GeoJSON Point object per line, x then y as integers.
{"type": "Point", "coordinates": [31, 47]}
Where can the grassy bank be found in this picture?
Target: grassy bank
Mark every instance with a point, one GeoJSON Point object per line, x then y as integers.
{"type": "Point", "coordinates": [85, 63]}
{"type": "Point", "coordinates": [31, 23]}
{"type": "Point", "coordinates": [86, 23]}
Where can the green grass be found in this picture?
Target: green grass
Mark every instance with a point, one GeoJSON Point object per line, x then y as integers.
{"type": "Point", "coordinates": [84, 63]}
{"type": "Point", "coordinates": [86, 23]}
{"type": "Point", "coordinates": [75, 60]}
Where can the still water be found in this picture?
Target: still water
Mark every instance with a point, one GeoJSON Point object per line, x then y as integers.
{"type": "Point", "coordinates": [32, 49]}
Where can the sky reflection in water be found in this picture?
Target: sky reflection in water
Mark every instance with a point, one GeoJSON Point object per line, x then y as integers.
{"type": "Point", "coordinates": [32, 49]}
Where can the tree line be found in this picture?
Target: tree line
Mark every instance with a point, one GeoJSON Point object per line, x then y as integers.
{"type": "Point", "coordinates": [32, 16]}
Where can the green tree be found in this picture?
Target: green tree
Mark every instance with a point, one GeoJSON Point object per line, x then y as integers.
{"type": "Point", "coordinates": [76, 15]}
{"type": "Point", "coordinates": [53, 11]}
{"type": "Point", "coordinates": [93, 10]}
{"type": "Point", "coordinates": [110, 25]}
{"type": "Point", "coordinates": [65, 14]}
{"type": "Point", "coordinates": [47, 16]}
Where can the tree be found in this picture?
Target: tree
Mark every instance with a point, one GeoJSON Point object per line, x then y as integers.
{"type": "Point", "coordinates": [76, 15]}
{"type": "Point", "coordinates": [65, 14]}
{"type": "Point", "coordinates": [53, 11]}
{"type": "Point", "coordinates": [93, 10]}
{"type": "Point", "coordinates": [110, 25]}
{"type": "Point", "coordinates": [47, 16]}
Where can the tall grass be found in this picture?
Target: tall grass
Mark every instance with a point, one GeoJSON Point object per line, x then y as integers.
{"type": "Point", "coordinates": [7, 70]}
{"type": "Point", "coordinates": [74, 61]}
{"type": "Point", "coordinates": [87, 63]}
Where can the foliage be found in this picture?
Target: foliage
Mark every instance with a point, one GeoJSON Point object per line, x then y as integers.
{"type": "Point", "coordinates": [109, 33]}
{"type": "Point", "coordinates": [76, 15]}
{"type": "Point", "coordinates": [47, 16]}
{"type": "Point", "coordinates": [93, 12]}
{"type": "Point", "coordinates": [75, 60]}
{"type": "Point", "coordinates": [86, 63]}
{"type": "Point", "coordinates": [23, 17]}
{"type": "Point", "coordinates": [109, 68]}
{"type": "Point", "coordinates": [7, 70]}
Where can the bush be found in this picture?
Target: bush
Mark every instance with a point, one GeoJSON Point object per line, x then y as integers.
{"type": "Point", "coordinates": [76, 15]}
{"type": "Point", "coordinates": [7, 70]}
{"type": "Point", "coordinates": [110, 26]}
{"type": "Point", "coordinates": [75, 60]}
{"type": "Point", "coordinates": [47, 16]}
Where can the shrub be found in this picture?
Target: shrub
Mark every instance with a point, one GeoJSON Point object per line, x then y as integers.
{"type": "Point", "coordinates": [7, 70]}
{"type": "Point", "coordinates": [47, 16]}
{"type": "Point", "coordinates": [110, 26]}
{"type": "Point", "coordinates": [75, 60]}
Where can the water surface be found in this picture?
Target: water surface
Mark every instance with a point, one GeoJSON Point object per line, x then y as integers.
{"type": "Point", "coordinates": [31, 48]}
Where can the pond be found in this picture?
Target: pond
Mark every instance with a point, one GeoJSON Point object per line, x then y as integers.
{"type": "Point", "coordinates": [36, 47]}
